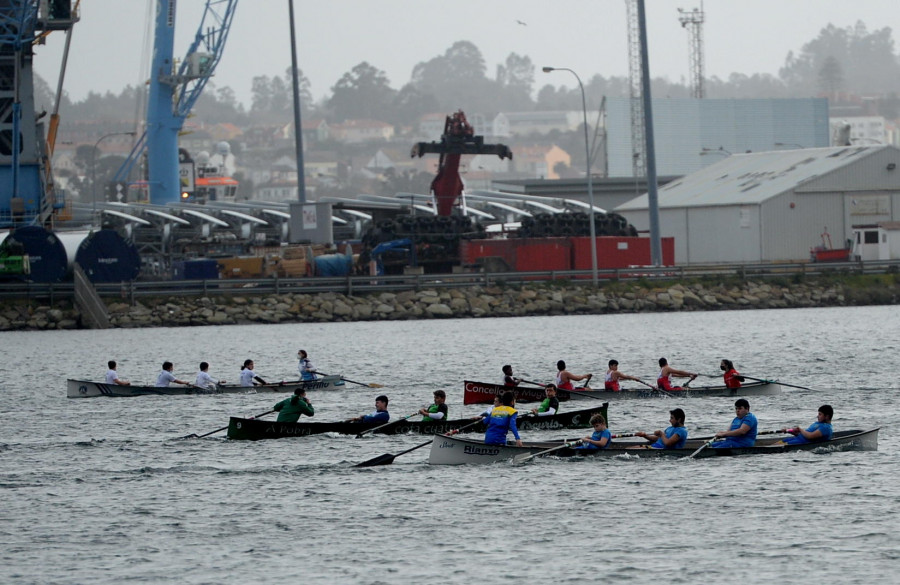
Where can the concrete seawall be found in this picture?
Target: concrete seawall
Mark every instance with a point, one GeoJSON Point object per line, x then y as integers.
{"type": "Point", "coordinates": [495, 301]}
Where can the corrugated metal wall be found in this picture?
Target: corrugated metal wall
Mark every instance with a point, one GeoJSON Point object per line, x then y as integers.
{"type": "Point", "coordinates": [724, 234]}
{"type": "Point", "coordinates": [788, 233]}
{"type": "Point", "coordinates": [684, 127]}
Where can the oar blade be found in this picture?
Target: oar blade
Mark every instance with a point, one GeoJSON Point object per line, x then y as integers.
{"type": "Point", "coordinates": [375, 385]}
{"type": "Point", "coordinates": [522, 458]}
{"type": "Point", "coordinates": [385, 459]}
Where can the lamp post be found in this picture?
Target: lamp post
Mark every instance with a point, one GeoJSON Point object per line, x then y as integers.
{"type": "Point", "coordinates": [590, 185]}
{"type": "Point", "coordinates": [94, 168]}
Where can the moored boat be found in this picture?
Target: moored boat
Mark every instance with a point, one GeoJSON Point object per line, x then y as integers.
{"type": "Point", "coordinates": [87, 389]}
{"type": "Point", "coordinates": [461, 451]}
{"type": "Point", "coordinates": [484, 392]}
{"type": "Point", "coordinates": [255, 429]}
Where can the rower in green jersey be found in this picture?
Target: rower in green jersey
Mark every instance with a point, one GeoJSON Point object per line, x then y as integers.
{"type": "Point", "coordinates": [438, 410]}
{"type": "Point", "coordinates": [550, 404]}
{"type": "Point", "coordinates": [290, 409]}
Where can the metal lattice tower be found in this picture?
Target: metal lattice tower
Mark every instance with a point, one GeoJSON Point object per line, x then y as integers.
{"type": "Point", "coordinates": [638, 140]}
{"type": "Point", "coordinates": [693, 22]}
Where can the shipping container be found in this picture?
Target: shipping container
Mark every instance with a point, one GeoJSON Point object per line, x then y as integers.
{"type": "Point", "coordinates": [202, 269]}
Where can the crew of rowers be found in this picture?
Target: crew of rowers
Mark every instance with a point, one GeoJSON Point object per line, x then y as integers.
{"type": "Point", "coordinates": [565, 379]}
{"type": "Point", "coordinates": [248, 376]}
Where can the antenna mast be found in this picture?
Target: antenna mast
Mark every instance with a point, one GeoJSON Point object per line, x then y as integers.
{"type": "Point", "coordinates": [638, 142]}
{"type": "Point", "coordinates": [693, 22]}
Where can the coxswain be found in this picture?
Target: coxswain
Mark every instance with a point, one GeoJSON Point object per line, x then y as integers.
{"type": "Point", "coordinates": [290, 409]}
{"type": "Point", "coordinates": [731, 376]}
{"type": "Point", "coordinates": [501, 421]}
{"type": "Point", "coordinates": [305, 366]}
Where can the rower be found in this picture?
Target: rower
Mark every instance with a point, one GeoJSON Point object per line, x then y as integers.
{"type": "Point", "coordinates": [613, 375]}
{"type": "Point", "coordinates": [381, 414]}
{"type": "Point", "coordinates": [204, 380]}
{"type": "Point", "coordinates": [550, 404]}
{"type": "Point", "coordinates": [166, 376]}
{"type": "Point", "coordinates": [663, 379]}
{"type": "Point", "coordinates": [508, 378]}
{"type": "Point", "coordinates": [673, 437]}
{"type": "Point", "coordinates": [438, 410]}
{"type": "Point", "coordinates": [564, 378]}
{"type": "Point", "coordinates": [112, 377]}
{"type": "Point", "coordinates": [821, 430]}
{"type": "Point", "coordinates": [743, 428]}
{"type": "Point", "coordinates": [248, 376]}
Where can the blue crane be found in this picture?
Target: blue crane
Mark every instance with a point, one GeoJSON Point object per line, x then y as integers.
{"type": "Point", "coordinates": [23, 151]}
{"type": "Point", "coordinates": [174, 92]}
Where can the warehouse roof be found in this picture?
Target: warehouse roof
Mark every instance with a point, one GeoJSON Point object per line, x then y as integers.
{"type": "Point", "coordinates": [751, 178]}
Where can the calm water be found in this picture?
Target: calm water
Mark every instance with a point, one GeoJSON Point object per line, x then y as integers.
{"type": "Point", "coordinates": [101, 490]}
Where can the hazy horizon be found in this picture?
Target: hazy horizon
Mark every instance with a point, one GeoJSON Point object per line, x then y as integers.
{"type": "Point", "coordinates": [741, 36]}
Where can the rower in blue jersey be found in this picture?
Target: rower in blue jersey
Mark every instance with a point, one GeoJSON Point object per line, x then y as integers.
{"type": "Point", "coordinates": [743, 428]}
{"type": "Point", "coordinates": [600, 438]}
{"type": "Point", "coordinates": [501, 421]}
{"type": "Point", "coordinates": [381, 414]}
{"type": "Point", "coordinates": [673, 437]}
{"type": "Point", "coordinates": [821, 430]}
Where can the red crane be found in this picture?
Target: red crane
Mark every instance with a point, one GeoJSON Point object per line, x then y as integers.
{"type": "Point", "coordinates": [458, 139]}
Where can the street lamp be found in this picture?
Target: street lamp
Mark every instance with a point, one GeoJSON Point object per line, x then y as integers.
{"type": "Point", "coordinates": [94, 168]}
{"type": "Point", "coordinates": [590, 185]}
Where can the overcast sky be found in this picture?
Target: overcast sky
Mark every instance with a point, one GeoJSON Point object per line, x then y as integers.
{"type": "Point", "coordinates": [744, 36]}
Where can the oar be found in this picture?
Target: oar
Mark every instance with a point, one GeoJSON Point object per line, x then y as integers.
{"type": "Point", "coordinates": [519, 459]}
{"type": "Point", "coordinates": [703, 446]}
{"type": "Point", "coordinates": [372, 385]}
{"type": "Point", "coordinates": [388, 458]}
{"type": "Point", "coordinates": [658, 389]}
{"type": "Point", "coordinates": [196, 436]}
{"type": "Point", "coordinates": [360, 434]}
{"type": "Point", "coordinates": [776, 382]}
{"type": "Point", "coordinates": [585, 394]}
{"type": "Point", "coordinates": [535, 383]}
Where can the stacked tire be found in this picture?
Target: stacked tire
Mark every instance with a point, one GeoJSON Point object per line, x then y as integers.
{"type": "Point", "coordinates": [563, 225]}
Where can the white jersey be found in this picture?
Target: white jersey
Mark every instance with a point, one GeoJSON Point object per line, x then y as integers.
{"type": "Point", "coordinates": [204, 380]}
{"type": "Point", "coordinates": [111, 376]}
{"type": "Point", "coordinates": [164, 378]}
{"type": "Point", "coordinates": [247, 376]}
{"type": "Point", "coordinates": [307, 369]}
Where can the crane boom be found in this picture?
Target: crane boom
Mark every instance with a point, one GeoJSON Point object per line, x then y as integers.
{"type": "Point", "coordinates": [174, 92]}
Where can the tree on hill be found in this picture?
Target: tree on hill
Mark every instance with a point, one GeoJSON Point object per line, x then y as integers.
{"type": "Point", "coordinates": [363, 92]}
{"type": "Point", "coordinates": [867, 60]}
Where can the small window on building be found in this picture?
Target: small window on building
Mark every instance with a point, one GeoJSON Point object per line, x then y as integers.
{"type": "Point", "coordinates": [871, 237]}
{"type": "Point", "coordinates": [884, 238]}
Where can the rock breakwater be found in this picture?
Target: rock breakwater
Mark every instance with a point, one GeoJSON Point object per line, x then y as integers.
{"type": "Point", "coordinates": [494, 301]}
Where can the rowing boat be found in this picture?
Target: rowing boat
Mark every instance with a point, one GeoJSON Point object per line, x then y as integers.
{"type": "Point", "coordinates": [253, 429]}
{"type": "Point", "coordinates": [460, 451]}
{"type": "Point", "coordinates": [484, 392]}
{"type": "Point", "coordinates": [87, 389]}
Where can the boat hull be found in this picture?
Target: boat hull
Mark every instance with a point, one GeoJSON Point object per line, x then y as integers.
{"type": "Point", "coordinates": [483, 393]}
{"type": "Point", "coordinates": [243, 429]}
{"type": "Point", "coordinates": [463, 451]}
{"type": "Point", "coordinates": [87, 389]}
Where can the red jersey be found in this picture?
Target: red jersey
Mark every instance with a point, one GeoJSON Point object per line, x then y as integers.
{"type": "Point", "coordinates": [731, 379]}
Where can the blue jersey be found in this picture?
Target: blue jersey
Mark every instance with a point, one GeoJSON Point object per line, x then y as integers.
{"type": "Point", "coordinates": [746, 440]}
{"type": "Point", "coordinates": [825, 428]}
{"type": "Point", "coordinates": [501, 421]}
{"type": "Point", "coordinates": [598, 436]}
{"type": "Point", "coordinates": [680, 431]}
{"type": "Point", "coordinates": [379, 416]}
